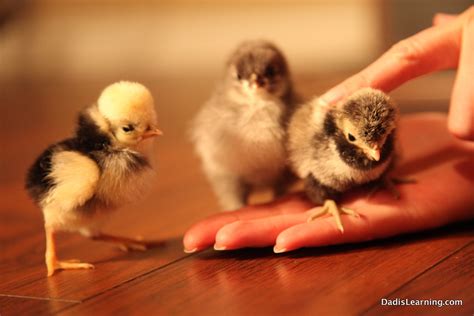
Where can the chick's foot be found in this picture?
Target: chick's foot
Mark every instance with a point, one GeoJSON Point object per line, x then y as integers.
{"type": "Point", "coordinates": [53, 265]}
{"type": "Point", "coordinates": [52, 262]}
{"type": "Point", "coordinates": [330, 207]}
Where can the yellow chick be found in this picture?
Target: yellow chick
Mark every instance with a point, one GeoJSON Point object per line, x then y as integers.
{"type": "Point", "coordinates": [77, 182]}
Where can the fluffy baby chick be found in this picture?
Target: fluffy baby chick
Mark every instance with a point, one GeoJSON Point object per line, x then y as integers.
{"type": "Point", "coordinates": [337, 149]}
{"type": "Point", "coordinates": [239, 133]}
{"type": "Point", "coordinates": [77, 182]}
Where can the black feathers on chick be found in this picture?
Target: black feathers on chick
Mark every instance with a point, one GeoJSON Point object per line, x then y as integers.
{"type": "Point", "coordinates": [260, 59]}
{"type": "Point", "coordinates": [89, 141]}
{"type": "Point", "coordinates": [350, 153]}
{"type": "Point", "coordinates": [373, 115]}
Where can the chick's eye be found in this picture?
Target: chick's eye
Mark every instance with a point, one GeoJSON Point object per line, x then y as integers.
{"type": "Point", "coordinates": [351, 137]}
{"type": "Point", "coordinates": [270, 71]}
{"type": "Point", "coordinates": [128, 128]}
{"type": "Point", "coordinates": [238, 76]}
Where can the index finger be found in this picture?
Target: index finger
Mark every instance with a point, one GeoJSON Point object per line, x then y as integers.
{"type": "Point", "coordinates": [433, 49]}
{"type": "Point", "coordinates": [203, 234]}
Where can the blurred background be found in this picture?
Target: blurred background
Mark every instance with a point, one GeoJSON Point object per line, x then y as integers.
{"type": "Point", "coordinates": [54, 40]}
{"type": "Point", "coordinates": [57, 55]}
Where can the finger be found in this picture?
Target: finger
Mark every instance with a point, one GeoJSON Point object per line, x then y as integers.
{"type": "Point", "coordinates": [461, 111]}
{"type": "Point", "coordinates": [255, 233]}
{"type": "Point", "coordinates": [202, 234]}
{"type": "Point", "coordinates": [443, 18]}
{"type": "Point", "coordinates": [433, 49]}
{"type": "Point", "coordinates": [324, 231]}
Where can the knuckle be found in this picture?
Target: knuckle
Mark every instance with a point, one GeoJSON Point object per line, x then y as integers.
{"type": "Point", "coordinates": [358, 81]}
{"type": "Point", "coordinates": [362, 80]}
{"type": "Point", "coordinates": [409, 50]}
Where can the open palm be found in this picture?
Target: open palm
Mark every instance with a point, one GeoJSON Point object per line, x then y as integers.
{"type": "Point", "coordinates": [444, 192]}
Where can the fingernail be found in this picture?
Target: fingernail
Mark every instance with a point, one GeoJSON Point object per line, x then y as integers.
{"type": "Point", "coordinates": [190, 250]}
{"type": "Point", "coordinates": [219, 248]}
{"type": "Point", "coordinates": [277, 249]}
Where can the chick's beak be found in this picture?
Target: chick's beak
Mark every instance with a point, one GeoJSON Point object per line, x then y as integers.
{"type": "Point", "coordinates": [374, 153]}
{"type": "Point", "coordinates": [256, 81]}
{"type": "Point", "coordinates": [253, 82]}
{"type": "Point", "coordinates": [151, 133]}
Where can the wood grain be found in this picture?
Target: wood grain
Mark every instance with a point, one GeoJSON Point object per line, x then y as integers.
{"type": "Point", "coordinates": [342, 280]}
{"type": "Point", "coordinates": [12, 306]}
{"type": "Point", "coordinates": [451, 279]}
{"type": "Point", "coordinates": [113, 267]}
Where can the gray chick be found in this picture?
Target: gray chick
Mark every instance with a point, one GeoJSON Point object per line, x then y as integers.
{"type": "Point", "coordinates": [335, 149]}
{"type": "Point", "coordinates": [239, 133]}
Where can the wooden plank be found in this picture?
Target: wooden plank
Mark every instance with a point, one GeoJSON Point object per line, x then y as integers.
{"type": "Point", "coordinates": [451, 279]}
{"type": "Point", "coordinates": [26, 275]}
{"type": "Point", "coordinates": [339, 280]}
{"type": "Point", "coordinates": [13, 306]}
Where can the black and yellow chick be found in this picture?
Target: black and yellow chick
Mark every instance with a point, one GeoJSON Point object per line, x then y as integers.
{"type": "Point", "coordinates": [79, 181]}
{"type": "Point", "coordinates": [335, 149]}
{"type": "Point", "coordinates": [239, 133]}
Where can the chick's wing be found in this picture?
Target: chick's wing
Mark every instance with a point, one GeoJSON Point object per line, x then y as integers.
{"type": "Point", "coordinates": [75, 177]}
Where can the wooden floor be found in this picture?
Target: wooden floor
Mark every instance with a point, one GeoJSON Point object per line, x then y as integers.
{"type": "Point", "coordinates": [338, 280]}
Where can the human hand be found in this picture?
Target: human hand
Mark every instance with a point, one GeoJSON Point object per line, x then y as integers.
{"type": "Point", "coordinates": [447, 44]}
{"type": "Point", "coordinates": [442, 166]}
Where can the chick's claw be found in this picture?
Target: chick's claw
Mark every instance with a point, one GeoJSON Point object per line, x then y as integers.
{"type": "Point", "coordinates": [132, 247]}
{"type": "Point", "coordinates": [72, 264]}
{"type": "Point", "coordinates": [71, 261]}
{"type": "Point", "coordinates": [139, 245]}
{"type": "Point", "coordinates": [330, 207]}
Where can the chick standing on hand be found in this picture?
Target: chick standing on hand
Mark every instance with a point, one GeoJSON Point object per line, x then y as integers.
{"type": "Point", "coordinates": [79, 181]}
{"type": "Point", "coordinates": [337, 149]}
{"type": "Point", "coordinates": [239, 133]}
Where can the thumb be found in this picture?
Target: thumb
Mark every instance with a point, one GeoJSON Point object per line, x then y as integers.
{"type": "Point", "coordinates": [461, 110]}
